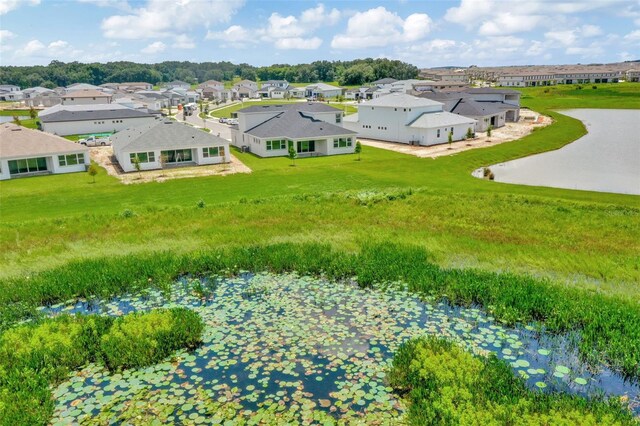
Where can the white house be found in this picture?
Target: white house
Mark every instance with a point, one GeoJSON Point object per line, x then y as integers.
{"type": "Point", "coordinates": [83, 119]}
{"type": "Point", "coordinates": [177, 84]}
{"type": "Point", "coordinates": [214, 84]}
{"type": "Point", "coordinates": [41, 96]}
{"type": "Point", "coordinates": [398, 117]}
{"type": "Point", "coordinates": [322, 90]}
{"type": "Point", "coordinates": [311, 128]}
{"type": "Point", "coordinates": [633, 76]}
{"type": "Point", "coordinates": [248, 84]}
{"type": "Point", "coordinates": [282, 84]}
{"type": "Point", "coordinates": [26, 152]}
{"type": "Point", "coordinates": [85, 97]}
{"type": "Point", "coordinates": [168, 143]}
{"type": "Point", "coordinates": [9, 88]}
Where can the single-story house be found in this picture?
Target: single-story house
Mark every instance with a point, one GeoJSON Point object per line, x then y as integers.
{"type": "Point", "coordinates": [26, 152]}
{"type": "Point", "coordinates": [282, 84]}
{"type": "Point", "coordinates": [11, 95]}
{"type": "Point", "coordinates": [384, 82]}
{"type": "Point", "coordinates": [9, 87]}
{"type": "Point", "coordinates": [41, 96]}
{"type": "Point", "coordinates": [85, 86]}
{"type": "Point", "coordinates": [177, 84]}
{"type": "Point", "coordinates": [403, 118]}
{"type": "Point", "coordinates": [214, 84]}
{"type": "Point", "coordinates": [485, 113]}
{"type": "Point", "coordinates": [168, 143]}
{"type": "Point", "coordinates": [248, 84]}
{"type": "Point", "coordinates": [322, 90]}
{"type": "Point", "coordinates": [311, 128]}
{"type": "Point", "coordinates": [82, 119]}
{"type": "Point", "coordinates": [85, 97]}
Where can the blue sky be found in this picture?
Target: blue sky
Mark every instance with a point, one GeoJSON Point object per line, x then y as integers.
{"type": "Point", "coordinates": [424, 33]}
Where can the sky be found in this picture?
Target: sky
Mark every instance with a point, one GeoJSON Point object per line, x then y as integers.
{"type": "Point", "coordinates": [261, 32]}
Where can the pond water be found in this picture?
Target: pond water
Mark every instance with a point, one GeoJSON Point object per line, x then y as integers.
{"type": "Point", "coordinates": [607, 159]}
{"type": "Point", "coordinates": [308, 346]}
{"type": "Point", "coordinates": [7, 119]}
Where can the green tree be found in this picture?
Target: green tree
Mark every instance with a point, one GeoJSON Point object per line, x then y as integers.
{"type": "Point", "coordinates": [16, 120]}
{"type": "Point", "coordinates": [489, 129]}
{"type": "Point", "coordinates": [136, 164]}
{"type": "Point", "coordinates": [358, 149]}
{"type": "Point", "coordinates": [470, 134]}
{"type": "Point", "coordinates": [93, 171]}
{"type": "Point", "coordinates": [292, 155]}
{"type": "Point", "coordinates": [33, 113]}
{"type": "Point", "coordinates": [450, 138]}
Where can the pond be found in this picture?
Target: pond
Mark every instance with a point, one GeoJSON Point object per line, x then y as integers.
{"type": "Point", "coordinates": [607, 159]}
{"type": "Point", "coordinates": [308, 345]}
{"type": "Point", "coordinates": [8, 119]}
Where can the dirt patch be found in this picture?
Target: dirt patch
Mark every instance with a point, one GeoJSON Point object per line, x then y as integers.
{"type": "Point", "coordinates": [529, 120]}
{"type": "Point", "coordinates": [104, 157]}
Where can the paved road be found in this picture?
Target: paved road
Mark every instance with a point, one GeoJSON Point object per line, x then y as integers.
{"type": "Point", "coordinates": [217, 128]}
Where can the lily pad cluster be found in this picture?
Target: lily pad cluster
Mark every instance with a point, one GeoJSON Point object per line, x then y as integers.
{"type": "Point", "coordinates": [303, 348]}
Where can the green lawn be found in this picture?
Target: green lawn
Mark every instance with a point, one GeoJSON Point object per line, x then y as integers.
{"type": "Point", "coordinates": [12, 112]}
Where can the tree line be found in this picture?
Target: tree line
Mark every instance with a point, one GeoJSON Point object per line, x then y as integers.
{"type": "Point", "coordinates": [57, 73]}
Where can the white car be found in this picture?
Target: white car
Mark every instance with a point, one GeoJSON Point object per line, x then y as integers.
{"type": "Point", "coordinates": [232, 121]}
{"type": "Point", "coordinates": [93, 141]}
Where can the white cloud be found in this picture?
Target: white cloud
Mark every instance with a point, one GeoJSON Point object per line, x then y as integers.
{"type": "Point", "coordinates": [566, 37]}
{"type": "Point", "coordinates": [379, 27]}
{"type": "Point", "coordinates": [160, 18]}
{"type": "Point", "coordinates": [590, 30]}
{"type": "Point", "coordinates": [7, 6]}
{"type": "Point", "coordinates": [633, 36]}
{"type": "Point", "coordinates": [32, 47]}
{"type": "Point", "coordinates": [183, 41]}
{"type": "Point", "coordinates": [235, 35]}
{"type": "Point", "coordinates": [298, 43]}
{"type": "Point", "coordinates": [6, 35]}
{"type": "Point", "coordinates": [56, 48]}
{"type": "Point", "coordinates": [503, 17]}
{"type": "Point", "coordinates": [155, 47]}
{"type": "Point", "coordinates": [117, 4]}
{"type": "Point", "coordinates": [509, 23]}
{"type": "Point", "coordinates": [318, 16]}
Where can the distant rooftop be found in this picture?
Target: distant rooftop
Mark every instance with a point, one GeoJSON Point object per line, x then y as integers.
{"type": "Point", "coordinates": [295, 124]}
{"type": "Point", "coordinates": [400, 100]}
{"type": "Point", "coordinates": [297, 106]}
{"type": "Point", "coordinates": [85, 93]}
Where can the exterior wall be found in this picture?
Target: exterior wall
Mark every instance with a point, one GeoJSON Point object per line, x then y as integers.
{"type": "Point", "coordinates": [323, 146]}
{"type": "Point", "coordinates": [87, 101]}
{"type": "Point", "coordinates": [277, 94]}
{"type": "Point", "coordinates": [64, 128]}
{"type": "Point", "coordinates": [124, 158]}
{"type": "Point", "coordinates": [53, 165]}
{"type": "Point", "coordinates": [483, 122]}
{"type": "Point", "coordinates": [383, 123]}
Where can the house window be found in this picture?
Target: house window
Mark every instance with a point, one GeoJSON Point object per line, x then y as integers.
{"type": "Point", "coordinates": [213, 151]}
{"type": "Point", "coordinates": [27, 165]}
{"type": "Point", "coordinates": [143, 157]}
{"type": "Point", "coordinates": [438, 135]}
{"type": "Point", "coordinates": [70, 159]}
{"type": "Point", "coordinates": [306, 146]}
{"type": "Point", "coordinates": [276, 145]}
{"type": "Point", "coordinates": [341, 142]}
{"type": "Point", "coordinates": [338, 118]}
{"type": "Point", "coordinates": [177, 155]}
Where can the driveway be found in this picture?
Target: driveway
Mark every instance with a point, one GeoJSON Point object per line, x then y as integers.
{"type": "Point", "coordinates": [219, 129]}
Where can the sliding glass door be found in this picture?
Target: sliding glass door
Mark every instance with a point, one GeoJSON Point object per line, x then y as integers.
{"type": "Point", "coordinates": [306, 146]}
{"type": "Point", "coordinates": [177, 155]}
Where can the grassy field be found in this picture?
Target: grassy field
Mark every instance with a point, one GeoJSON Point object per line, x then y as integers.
{"type": "Point", "coordinates": [577, 238]}
{"type": "Point", "coordinates": [226, 112]}
{"type": "Point", "coordinates": [12, 112]}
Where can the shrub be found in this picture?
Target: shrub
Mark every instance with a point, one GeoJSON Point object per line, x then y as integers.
{"type": "Point", "coordinates": [142, 339]}
{"type": "Point", "coordinates": [127, 213]}
{"type": "Point", "coordinates": [446, 385]}
{"type": "Point", "coordinates": [201, 204]}
{"type": "Point", "coordinates": [594, 87]}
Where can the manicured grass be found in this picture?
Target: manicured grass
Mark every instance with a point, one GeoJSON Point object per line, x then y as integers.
{"type": "Point", "coordinates": [11, 112]}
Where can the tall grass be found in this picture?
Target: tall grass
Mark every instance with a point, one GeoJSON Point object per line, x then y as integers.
{"type": "Point", "coordinates": [609, 326]}
{"type": "Point", "coordinates": [36, 356]}
{"type": "Point", "coordinates": [446, 385]}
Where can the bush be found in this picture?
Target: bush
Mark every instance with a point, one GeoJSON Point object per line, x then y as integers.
{"type": "Point", "coordinates": [594, 87]}
{"type": "Point", "coordinates": [127, 213]}
{"type": "Point", "coordinates": [446, 385]}
{"type": "Point", "coordinates": [201, 204]}
{"type": "Point", "coordinates": [141, 339]}
{"type": "Point", "coordinates": [34, 357]}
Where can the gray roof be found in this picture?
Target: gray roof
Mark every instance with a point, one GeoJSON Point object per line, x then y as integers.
{"type": "Point", "coordinates": [298, 106]}
{"type": "Point", "coordinates": [295, 124]}
{"type": "Point", "coordinates": [163, 134]}
{"type": "Point", "coordinates": [18, 141]}
{"type": "Point", "coordinates": [491, 90]}
{"type": "Point", "coordinates": [400, 100]}
{"type": "Point", "coordinates": [385, 81]}
{"type": "Point", "coordinates": [429, 120]}
{"type": "Point", "coordinates": [471, 108]}
{"type": "Point", "coordinates": [92, 114]}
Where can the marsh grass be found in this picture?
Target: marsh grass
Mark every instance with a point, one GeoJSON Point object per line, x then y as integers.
{"type": "Point", "coordinates": [445, 385]}
{"type": "Point", "coordinates": [609, 326]}
{"type": "Point", "coordinates": [36, 356]}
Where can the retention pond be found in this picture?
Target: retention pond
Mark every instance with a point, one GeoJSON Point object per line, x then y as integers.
{"type": "Point", "coordinates": [308, 346]}
{"type": "Point", "coordinates": [607, 159]}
